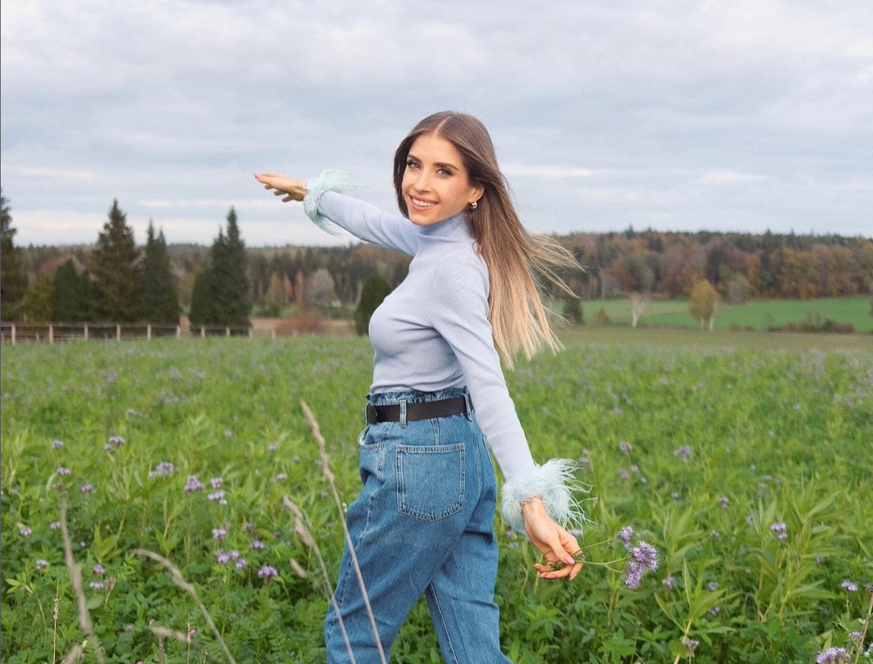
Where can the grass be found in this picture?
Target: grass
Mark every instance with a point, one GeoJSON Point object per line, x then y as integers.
{"type": "Point", "coordinates": [775, 433]}
{"type": "Point", "coordinates": [757, 314]}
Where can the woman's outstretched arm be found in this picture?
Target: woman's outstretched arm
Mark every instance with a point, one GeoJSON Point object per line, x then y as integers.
{"type": "Point", "coordinates": [331, 197]}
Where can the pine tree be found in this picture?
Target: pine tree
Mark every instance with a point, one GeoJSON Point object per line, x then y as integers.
{"type": "Point", "coordinates": [13, 283]}
{"type": "Point", "coordinates": [116, 269]}
{"type": "Point", "coordinates": [68, 307]}
{"type": "Point", "coordinates": [89, 298]}
{"type": "Point", "coordinates": [201, 301]}
{"type": "Point", "coordinates": [239, 305]}
{"type": "Point", "coordinates": [39, 301]}
{"type": "Point", "coordinates": [160, 298]}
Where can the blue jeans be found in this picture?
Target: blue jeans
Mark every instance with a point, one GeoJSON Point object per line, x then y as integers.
{"type": "Point", "coordinates": [422, 524]}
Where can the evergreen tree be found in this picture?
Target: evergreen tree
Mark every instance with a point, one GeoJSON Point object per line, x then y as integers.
{"type": "Point", "coordinates": [39, 301]}
{"type": "Point", "coordinates": [201, 301]}
{"type": "Point", "coordinates": [89, 298]}
{"type": "Point", "coordinates": [229, 280]}
{"type": "Point", "coordinates": [68, 307]}
{"type": "Point", "coordinates": [117, 273]}
{"type": "Point", "coordinates": [160, 298]}
{"type": "Point", "coordinates": [374, 291]}
{"type": "Point", "coordinates": [13, 282]}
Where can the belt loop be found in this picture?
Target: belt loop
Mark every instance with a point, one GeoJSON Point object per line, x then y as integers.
{"type": "Point", "coordinates": [469, 412]}
{"type": "Point", "coordinates": [366, 414]}
{"type": "Point", "coordinates": [403, 413]}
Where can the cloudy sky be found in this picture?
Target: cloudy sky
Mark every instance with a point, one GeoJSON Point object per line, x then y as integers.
{"type": "Point", "coordinates": [672, 114]}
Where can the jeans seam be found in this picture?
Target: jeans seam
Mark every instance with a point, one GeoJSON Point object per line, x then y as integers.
{"type": "Point", "coordinates": [443, 620]}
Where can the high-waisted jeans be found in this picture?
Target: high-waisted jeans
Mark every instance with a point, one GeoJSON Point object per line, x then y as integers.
{"type": "Point", "coordinates": [422, 524]}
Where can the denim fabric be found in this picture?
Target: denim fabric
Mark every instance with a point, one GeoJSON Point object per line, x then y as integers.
{"type": "Point", "coordinates": [422, 524]}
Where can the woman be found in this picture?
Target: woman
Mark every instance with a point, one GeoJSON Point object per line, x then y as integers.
{"type": "Point", "coordinates": [423, 522]}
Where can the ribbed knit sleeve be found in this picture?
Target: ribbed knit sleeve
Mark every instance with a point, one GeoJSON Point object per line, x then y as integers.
{"type": "Point", "coordinates": [458, 310]}
{"type": "Point", "coordinates": [332, 197]}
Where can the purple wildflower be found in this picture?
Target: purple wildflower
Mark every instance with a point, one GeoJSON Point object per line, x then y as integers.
{"type": "Point", "coordinates": [41, 564]}
{"type": "Point", "coordinates": [63, 471]}
{"type": "Point", "coordinates": [218, 495]}
{"type": "Point", "coordinates": [193, 484]}
{"type": "Point", "coordinates": [215, 482]}
{"type": "Point", "coordinates": [267, 571]}
{"type": "Point", "coordinates": [514, 545]}
{"type": "Point", "coordinates": [257, 544]}
{"type": "Point", "coordinates": [273, 447]}
{"type": "Point", "coordinates": [98, 569]}
{"type": "Point", "coordinates": [163, 468]}
{"type": "Point", "coordinates": [87, 488]}
{"type": "Point", "coordinates": [780, 529]}
{"type": "Point", "coordinates": [249, 527]}
{"type": "Point", "coordinates": [228, 433]}
{"type": "Point", "coordinates": [295, 459]}
{"type": "Point", "coordinates": [633, 574]}
{"type": "Point", "coordinates": [240, 563]}
{"type": "Point", "coordinates": [223, 557]}
{"type": "Point", "coordinates": [625, 535]}
{"type": "Point", "coordinates": [832, 656]}
{"type": "Point", "coordinates": [715, 610]}
{"type": "Point", "coordinates": [714, 533]}
{"type": "Point", "coordinates": [646, 555]}
{"type": "Point", "coordinates": [690, 645]}
{"type": "Point", "coordinates": [280, 477]}
{"type": "Point", "coordinates": [669, 582]}
{"type": "Point", "coordinates": [855, 636]}
{"type": "Point", "coordinates": [234, 554]}
{"type": "Point", "coordinates": [55, 525]}
{"type": "Point", "coordinates": [118, 441]}
{"type": "Point", "coordinates": [848, 586]}
{"type": "Point", "coordinates": [107, 447]}
{"type": "Point", "coordinates": [623, 474]}
{"type": "Point", "coordinates": [712, 585]}
{"type": "Point", "coordinates": [219, 533]}
{"type": "Point", "coordinates": [675, 495]}
{"type": "Point", "coordinates": [575, 532]}
{"type": "Point", "coordinates": [584, 461]}
{"type": "Point", "coordinates": [510, 532]}
{"type": "Point", "coordinates": [723, 501]}
{"type": "Point", "coordinates": [57, 444]}
{"type": "Point", "coordinates": [96, 585]}
{"type": "Point", "coordinates": [25, 531]}
{"type": "Point", "coordinates": [683, 452]}
{"type": "Point", "coordinates": [635, 468]}
{"type": "Point", "coordinates": [625, 446]}
{"type": "Point", "coordinates": [643, 479]}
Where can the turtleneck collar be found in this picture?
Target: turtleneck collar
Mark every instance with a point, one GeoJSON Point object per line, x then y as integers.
{"type": "Point", "coordinates": [453, 229]}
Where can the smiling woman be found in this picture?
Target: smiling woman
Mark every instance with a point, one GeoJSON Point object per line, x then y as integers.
{"type": "Point", "coordinates": [438, 404]}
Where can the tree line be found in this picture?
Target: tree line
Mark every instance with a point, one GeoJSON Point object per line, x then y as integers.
{"type": "Point", "coordinates": [226, 283]}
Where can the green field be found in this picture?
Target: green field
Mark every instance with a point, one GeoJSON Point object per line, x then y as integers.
{"type": "Point", "coordinates": [757, 314]}
{"type": "Point", "coordinates": [722, 444]}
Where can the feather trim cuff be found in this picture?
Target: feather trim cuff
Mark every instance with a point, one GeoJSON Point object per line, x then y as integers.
{"type": "Point", "coordinates": [328, 180]}
{"type": "Point", "coordinates": [554, 481]}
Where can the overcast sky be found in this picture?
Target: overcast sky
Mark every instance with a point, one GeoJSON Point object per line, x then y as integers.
{"type": "Point", "coordinates": [720, 115]}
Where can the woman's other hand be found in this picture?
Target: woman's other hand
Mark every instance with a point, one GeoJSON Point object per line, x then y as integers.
{"type": "Point", "coordinates": [554, 542]}
{"type": "Point", "coordinates": [293, 190]}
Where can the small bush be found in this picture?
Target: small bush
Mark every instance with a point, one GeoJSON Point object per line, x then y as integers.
{"type": "Point", "coordinates": [603, 317]}
{"type": "Point", "coordinates": [306, 322]}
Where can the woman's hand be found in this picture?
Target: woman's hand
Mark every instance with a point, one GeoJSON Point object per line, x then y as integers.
{"type": "Point", "coordinates": [293, 190]}
{"type": "Point", "coordinates": [555, 543]}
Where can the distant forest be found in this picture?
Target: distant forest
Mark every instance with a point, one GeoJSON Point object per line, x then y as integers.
{"type": "Point", "coordinates": [662, 264]}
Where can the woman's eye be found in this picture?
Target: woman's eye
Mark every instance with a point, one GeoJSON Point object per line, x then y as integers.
{"type": "Point", "coordinates": [410, 164]}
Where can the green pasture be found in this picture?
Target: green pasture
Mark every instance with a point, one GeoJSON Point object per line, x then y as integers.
{"type": "Point", "coordinates": [758, 314]}
{"type": "Point", "coordinates": [704, 442]}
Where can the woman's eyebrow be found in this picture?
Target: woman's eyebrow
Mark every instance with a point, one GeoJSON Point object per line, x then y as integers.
{"type": "Point", "coordinates": [438, 163]}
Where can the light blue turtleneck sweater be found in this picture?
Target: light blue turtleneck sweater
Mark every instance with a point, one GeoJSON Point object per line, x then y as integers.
{"type": "Point", "coordinates": [433, 332]}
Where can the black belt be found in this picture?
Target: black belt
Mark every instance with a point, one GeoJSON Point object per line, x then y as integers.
{"type": "Point", "coordinates": [419, 410]}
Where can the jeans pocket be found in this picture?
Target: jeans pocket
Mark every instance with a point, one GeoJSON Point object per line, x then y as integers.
{"type": "Point", "coordinates": [430, 480]}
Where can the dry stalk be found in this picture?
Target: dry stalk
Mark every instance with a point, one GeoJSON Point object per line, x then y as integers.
{"type": "Point", "coordinates": [55, 614]}
{"type": "Point", "coordinates": [179, 580]}
{"type": "Point", "coordinates": [309, 540]}
{"type": "Point", "coordinates": [73, 655]}
{"type": "Point", "coordinates": [76, 579]}
{"type": "Point", "coordinates": [328, 473]}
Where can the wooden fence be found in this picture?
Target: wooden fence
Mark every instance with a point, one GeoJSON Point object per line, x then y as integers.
{"type": "Point", "coordinates": [55, 332]}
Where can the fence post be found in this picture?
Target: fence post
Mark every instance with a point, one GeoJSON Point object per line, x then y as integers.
{"type": "Point", "coordinates": [13, 334]}
{"type": "Point", "coordinates": [86, 331]}
{"type": "Point", "coordinates": [228, 331]}
{"type": "Point", "coordinates": [250, 332]}
{"type": "Point", "coordinates": [178, 331]}
{"type": "Point", "coordinates": [149, 331]}
{"type": "Point", "coordinates": [202, 331]}
{"type": "Point", "coordinates": [118, 331]}
{"type": "Point", "coordinates": [273, 332]}
{"type": "Point", "coordinates": [51, 333]}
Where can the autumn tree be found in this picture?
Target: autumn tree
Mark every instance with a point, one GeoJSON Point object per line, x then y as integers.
{"type": "Point", "coordinates": [13, 282]}
{"type": "Point", "coordinates": [703, 302]}
{"type": "Point", "coordinates": [275, 297]}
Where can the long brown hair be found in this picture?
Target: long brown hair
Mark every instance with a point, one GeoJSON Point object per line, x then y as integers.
{"type": "Point", "coordinates": [517, 315]}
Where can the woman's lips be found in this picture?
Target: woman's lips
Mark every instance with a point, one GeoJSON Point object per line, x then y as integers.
{"type": "Point", "coordinates": [421, 208]}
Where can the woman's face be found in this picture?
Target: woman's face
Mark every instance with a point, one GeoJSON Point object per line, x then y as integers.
{"type": "Point", "coordinates": [435, 184]}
